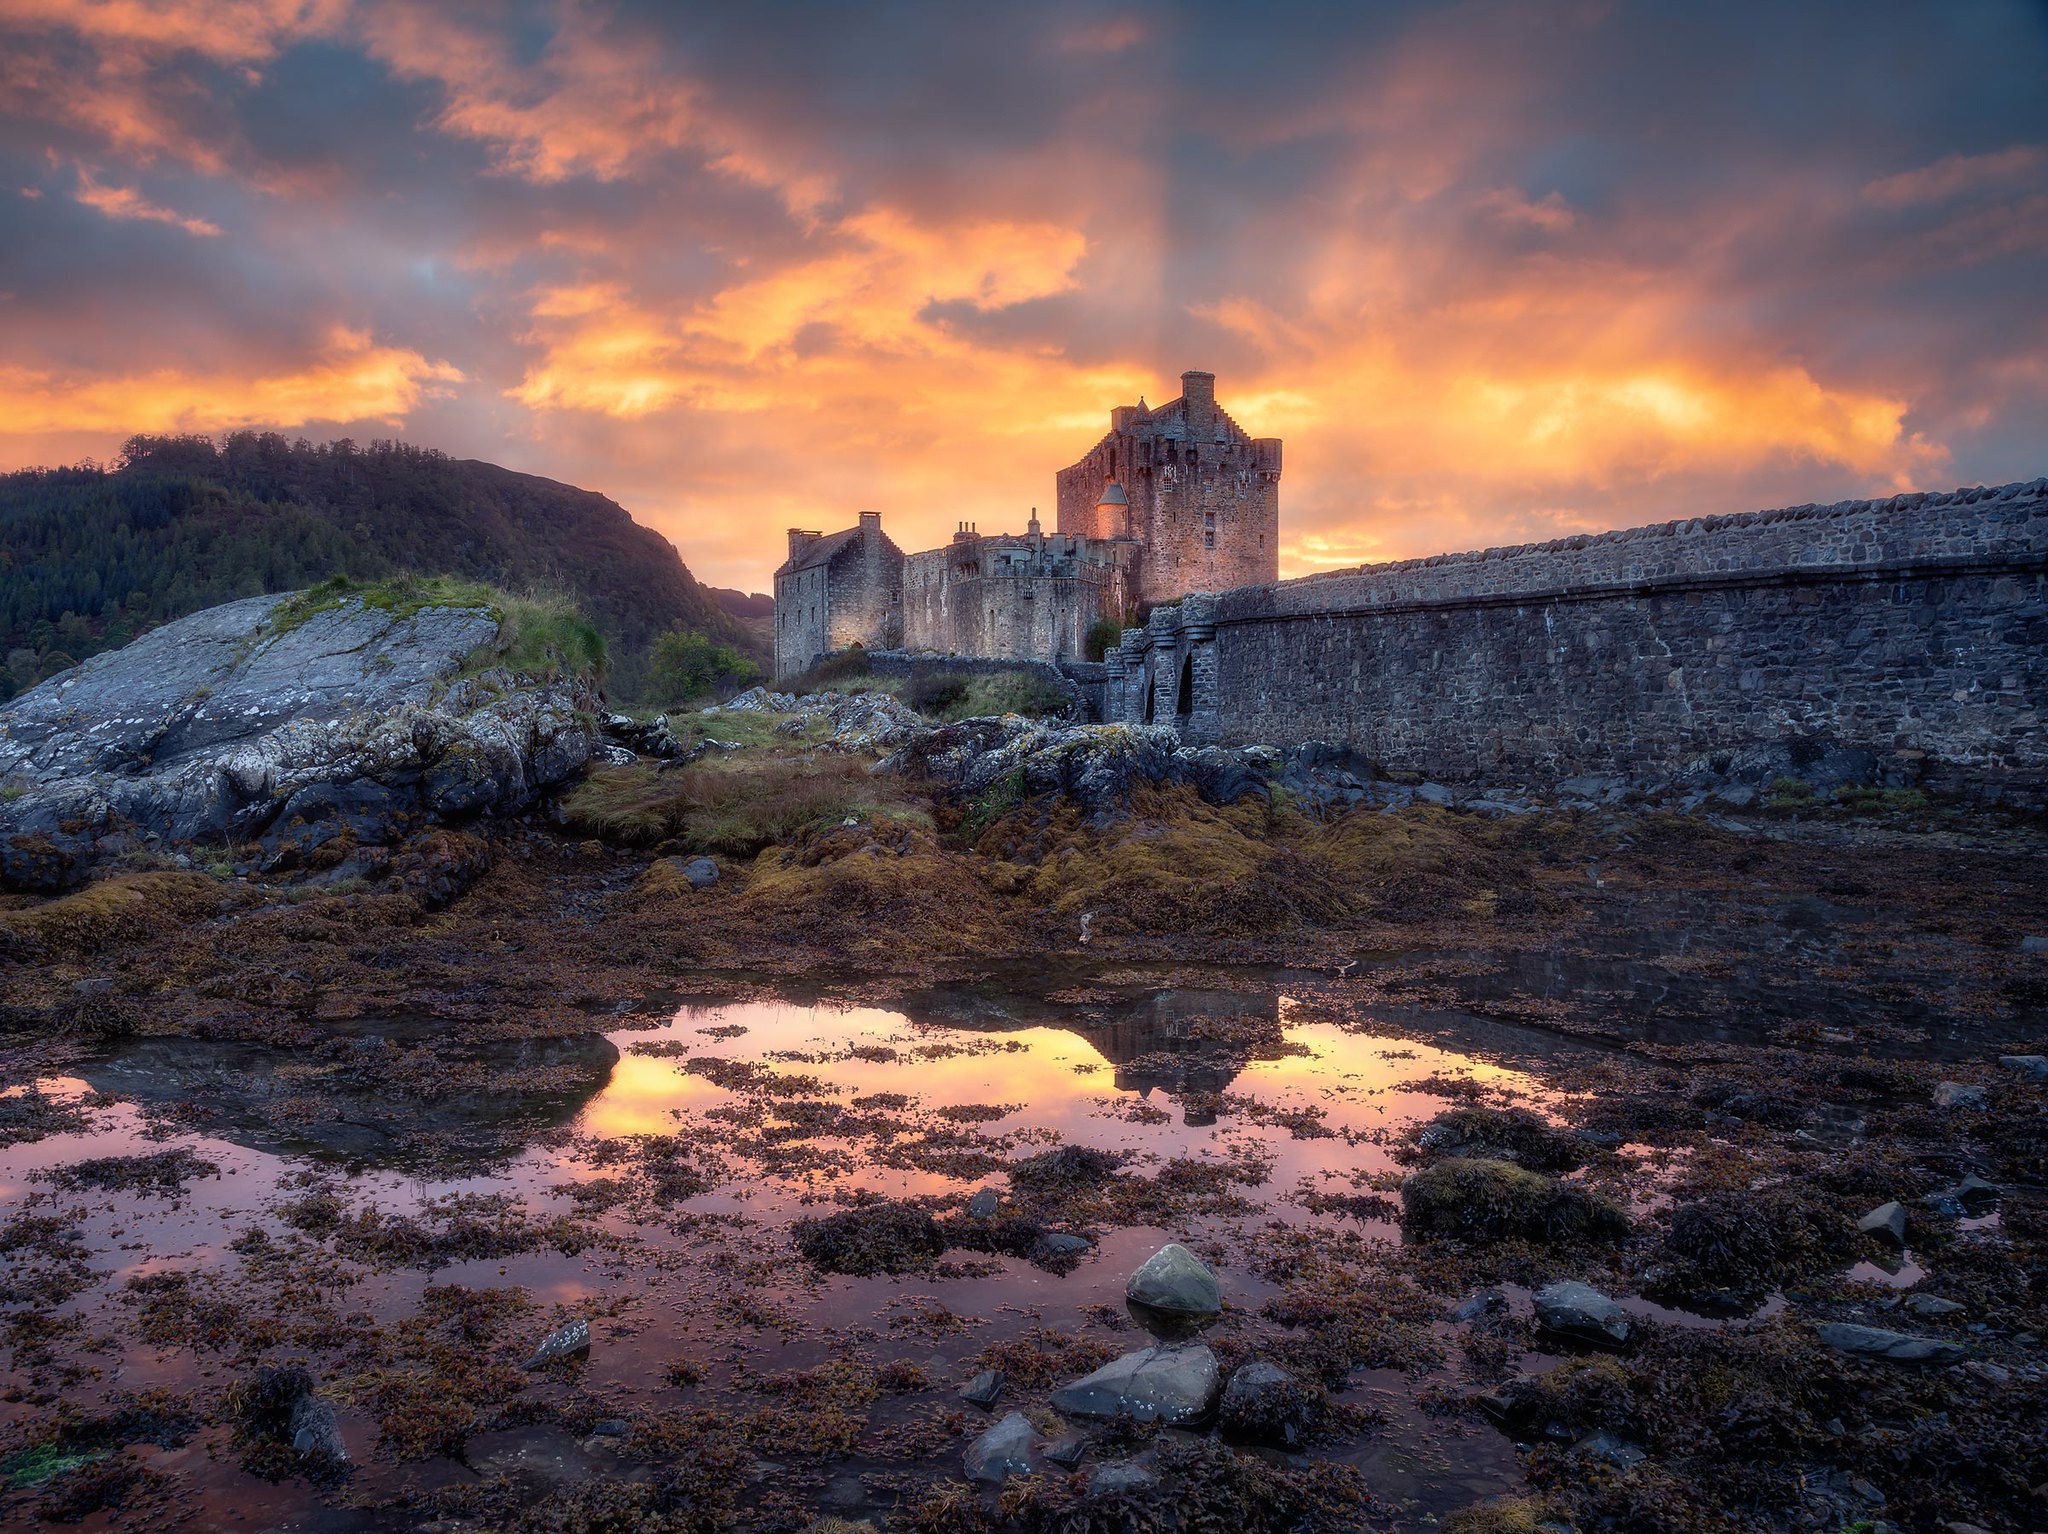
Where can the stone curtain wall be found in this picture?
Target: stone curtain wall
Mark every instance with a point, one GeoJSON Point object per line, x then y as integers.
{"type": "Point", "coordinates": [1915, 628]}
{"type": "Point", "coordinates": [1044, 617]}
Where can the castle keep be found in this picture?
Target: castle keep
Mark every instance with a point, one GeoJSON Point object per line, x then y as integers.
{"type": "Point", "coordinates": [1172, 500]}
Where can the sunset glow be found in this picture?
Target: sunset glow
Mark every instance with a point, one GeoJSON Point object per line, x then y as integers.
{"type": "Point", "coordinates": [1492, 275]}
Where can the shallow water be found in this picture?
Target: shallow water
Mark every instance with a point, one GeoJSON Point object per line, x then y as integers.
{"type": "Point", "coordinates": [781, 1110]}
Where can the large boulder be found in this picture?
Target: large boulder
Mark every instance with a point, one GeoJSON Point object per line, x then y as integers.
{"type": "Point", "coordinates": [1177, 1284]}
{"type": "Point", "coordinates": [260, 722]}
{"type": "Point", "coordinates": [1176, 1386]}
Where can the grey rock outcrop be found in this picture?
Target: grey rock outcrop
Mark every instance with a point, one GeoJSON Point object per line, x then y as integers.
{"type": "Point", "coordinates": [1175, 1282]}
{"type": "Point", "coordinates": [235, 725]}
{"type": "Point", "coordinates": [1572, 1309]}
{"type": "Point", "coordinates": [1176, 1386]}
{"type": "Point", "coordinates": [1875, 1342]}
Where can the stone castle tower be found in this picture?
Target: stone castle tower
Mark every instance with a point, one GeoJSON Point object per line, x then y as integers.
{"type": "Point", "coordinates": [1197, 496]}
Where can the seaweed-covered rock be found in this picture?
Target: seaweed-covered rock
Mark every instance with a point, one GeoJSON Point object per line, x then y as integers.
{"type": "Point", "coordinates": [1741, 1240]}
{"type": "Point", "coordinates": [1959, 1094]}
{"type": "Point", "coordinates": [1496, 1200]}
{"type": "Point", "coordinates": [1503, 1134]}
{"type": "Point", "coordinates": [1265, 1404]}
{"type": "Point", "coordinates": [875, 1238]}
{"type": "Point", "coordinates": [1172, 1385]}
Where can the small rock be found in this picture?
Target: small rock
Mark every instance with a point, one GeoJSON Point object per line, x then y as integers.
{"type": "Point", "coordinates": [1572, 1309]}
{"type": "Point", "coordinates": [984, 1203]}
{"type": "Point", "coordinates": [1957, 1526]}
{"type": "Point", "coordinates": [2034, 1066]}
{"type": "Point", "coordinates": [1058, 1245]}
{"type": "Point", "coordinates": [1123, 1479]}
{"type": "Point", "coordinates": [1173, 1385]}
{"type": "Point", "coordinates": [984, 1390]}
{"type": "Point", "coordinates": [2034, 944]}
{"type": "Point", "coordinates": [1067, 1452]}
{"type": "Point", "coordinates": [566, 1340]}
{"type": "Point", "coordinates": [1886, 1220]}
{"type": "Point", "coordinates": [1604, 1446]}
{"type": "Point", "coordinates": [1957, 1094]}
{"type": "Point", "coordinates": [701, 872]}
{"type": "Point", "coordinates": [1175, 1282]}
{"type": "Point", "coordinates": [1931, 1305]}
{"type": "Point", "coordinates": [610, 1427]}
{"type": "Point", "coordinates": [1974, 1190]}
{"type": "Point", "coordinates": [1003, 1451]}
{"type": "Point", "coordinates": [1488, 1302]}
{"type": "Point", "coordinates": [1435, 793]}
{"type": "Point", "coordinates": [1875, 1343]}
{"type": "Point", "coordinates": [316, 1430]}
{"type": "Point", "coordinates": [1866, 1490]}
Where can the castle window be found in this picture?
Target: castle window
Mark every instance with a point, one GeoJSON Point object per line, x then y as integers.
{"type": "Point", "coordinates": [1209, 539]}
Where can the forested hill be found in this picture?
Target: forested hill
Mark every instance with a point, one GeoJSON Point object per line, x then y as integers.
{"type": "Point", "coordinates": [89, 557]}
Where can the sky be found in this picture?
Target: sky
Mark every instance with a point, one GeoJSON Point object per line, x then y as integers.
{"type": "Point", "coordinates": [1495, 273]}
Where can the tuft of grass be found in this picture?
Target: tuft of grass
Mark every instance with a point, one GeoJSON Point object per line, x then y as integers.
{"type": "Point", "coordinates": [538, 635]}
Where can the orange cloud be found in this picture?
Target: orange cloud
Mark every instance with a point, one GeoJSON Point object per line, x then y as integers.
{"type": "Point", "coordinates": [353, 380]}
{"type": "Point", "coordinates": [128, 202]}
{"type": "Point", "coordinates": [743, 349]}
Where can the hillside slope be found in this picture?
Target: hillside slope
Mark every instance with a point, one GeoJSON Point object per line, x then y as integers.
{"type": "Point", "coordinates": [89, 557]}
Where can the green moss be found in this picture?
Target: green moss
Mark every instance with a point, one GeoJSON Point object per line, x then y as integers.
{"type": "Point", "coordinates": [738, 809]}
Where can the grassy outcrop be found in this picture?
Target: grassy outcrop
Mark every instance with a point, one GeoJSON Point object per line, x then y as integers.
{"type": "Point", "coordinates": [538, 635]}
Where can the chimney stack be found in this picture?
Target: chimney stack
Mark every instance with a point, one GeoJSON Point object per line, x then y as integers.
{"type": "Point", "coordinates": [799, 540]}
{"type": "Point", "coordinates": [1198, 391]}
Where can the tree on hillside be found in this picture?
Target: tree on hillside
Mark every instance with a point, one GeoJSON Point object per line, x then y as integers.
{"type": "Point", "coordinates": [685, 666]}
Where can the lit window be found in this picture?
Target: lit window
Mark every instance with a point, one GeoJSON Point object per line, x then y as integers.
{"type": "Point", "coordinates": [1209, 540]}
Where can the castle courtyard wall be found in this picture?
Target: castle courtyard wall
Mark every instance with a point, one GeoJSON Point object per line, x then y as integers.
{"type": "Point", "coordinates": [1915, 628]}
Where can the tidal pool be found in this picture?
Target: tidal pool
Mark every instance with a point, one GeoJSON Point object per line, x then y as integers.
{"type": "Point", "coordinates": [652, 1189]}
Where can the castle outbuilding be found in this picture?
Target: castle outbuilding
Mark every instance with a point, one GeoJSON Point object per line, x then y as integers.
{"type": "Point", "coordinates": [1172, 500]}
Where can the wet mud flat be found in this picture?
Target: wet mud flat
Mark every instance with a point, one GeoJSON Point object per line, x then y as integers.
{"type": "Point", "coordinates": [1697, 1205]}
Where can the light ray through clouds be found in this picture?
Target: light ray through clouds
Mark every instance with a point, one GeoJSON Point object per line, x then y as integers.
{"type": "Point", "coordinates": [1492, 276]}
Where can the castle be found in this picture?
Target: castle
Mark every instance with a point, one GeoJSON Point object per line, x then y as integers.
{"type": "Point", "coordinates": [1173, 500]}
